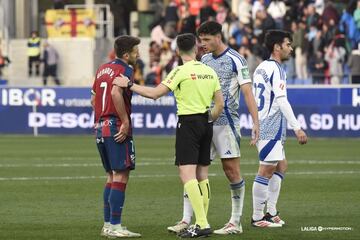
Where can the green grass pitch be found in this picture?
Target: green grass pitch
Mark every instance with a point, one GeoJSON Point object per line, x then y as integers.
{"type": "Point", "coordinates": [51, 188]}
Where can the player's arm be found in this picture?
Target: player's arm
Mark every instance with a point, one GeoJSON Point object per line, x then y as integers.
{"type": "Point", "coordinates": [118, 100]}
{"type": "Point", "coordinates": [279, 89]}
{"type": "Point", "coordinates": [218, 105]}
{"type": "Point", "coordinates": [286, 109]}
{"type": "Point", "coordinates": [253, 110]}
{"type": "Point", "coordinates": [92, 100]}
{"type": "Point", "coordinates": [148, 92]}
{"type": "Point", "coordinates": [245, 83]}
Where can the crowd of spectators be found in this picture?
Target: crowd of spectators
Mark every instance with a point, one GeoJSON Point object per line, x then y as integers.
{"type": "Point", "coordinates": [326, 35]}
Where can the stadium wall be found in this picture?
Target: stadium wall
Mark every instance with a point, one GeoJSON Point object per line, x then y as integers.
{"type": "Point", "coordinates": [76, 65]}
{"type": "Point", "coordinates": [322, 112]}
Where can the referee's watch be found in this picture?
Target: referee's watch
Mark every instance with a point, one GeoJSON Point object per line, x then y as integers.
{"type": "Point", "coordinates": [130, 84]}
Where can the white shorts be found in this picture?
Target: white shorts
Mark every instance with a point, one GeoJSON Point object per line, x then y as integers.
{"type": "Point", "coordinates": [270, 151]}
{"type": "Point", "coordinates": [225, 142]}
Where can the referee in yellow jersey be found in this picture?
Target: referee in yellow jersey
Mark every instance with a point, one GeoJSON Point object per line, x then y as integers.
{"type": "Point", "coordinates": [195, 87]}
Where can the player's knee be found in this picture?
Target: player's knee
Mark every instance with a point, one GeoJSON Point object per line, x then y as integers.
{"type": "Point", "coordinates": [232, 174]}
{"type": "Point", "coordinates": [266, 171]}
{"type": "Point", "coordinates": [120, 176]}
{"type": "Point", "coordinates": [282, 166]}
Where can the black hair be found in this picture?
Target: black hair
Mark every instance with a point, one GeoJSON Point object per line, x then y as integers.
{"type": "Point", "coordinates": [124, 44]}
{"type": "Point", "coordinates": [186, 42]}
{"type": "Point", "coordinates": [273, 37]}
{"type": "Point", "coordinates": [209, 27]}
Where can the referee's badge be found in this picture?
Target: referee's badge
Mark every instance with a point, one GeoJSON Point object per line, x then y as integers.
{"type": "Point", "coordinates": [245, 73]}
{"type": "Point", "coordinates": [179, 125]}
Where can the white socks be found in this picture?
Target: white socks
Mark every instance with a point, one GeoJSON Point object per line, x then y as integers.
{"type": "Point", "coordinates": [260, 194]}
{"type": "Point", "coordinates": [237, 201]}
{"type": "Point", "coordinates": [274, 191]}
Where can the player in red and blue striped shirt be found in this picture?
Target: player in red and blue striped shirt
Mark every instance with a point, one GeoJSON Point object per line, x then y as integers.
{"type": "Point", "coordinates": [112, 106]}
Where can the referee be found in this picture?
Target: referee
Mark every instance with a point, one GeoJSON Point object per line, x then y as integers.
{"type": "Point", "coordinates": [195, 87]}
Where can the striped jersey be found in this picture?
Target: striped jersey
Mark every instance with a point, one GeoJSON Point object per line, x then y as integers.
{"type": "Point", "coordinates": [233, 72]}
{"type": "Point", "coordinates": [269, 84]}
{"type": "Point", "coordinates": [107, 121]}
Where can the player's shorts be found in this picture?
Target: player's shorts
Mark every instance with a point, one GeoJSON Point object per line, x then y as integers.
{"type": "Point", "coordinates": [193, 139]}
{"type": "Point", "coordinates": [116, 156]}
{"type": "Point", "coordinates": [225, 142]}
{"type": "Point", "coordinates": [270, 151]}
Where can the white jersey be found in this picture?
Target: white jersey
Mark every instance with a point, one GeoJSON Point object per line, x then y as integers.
{"type": "Point", "coordinates": [269, 84]}
{"type": "Point", "coordinates": [233, 72]}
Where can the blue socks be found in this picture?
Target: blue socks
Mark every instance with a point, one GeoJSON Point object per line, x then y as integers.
{"type": "Point", "coordinates": [116, 200]}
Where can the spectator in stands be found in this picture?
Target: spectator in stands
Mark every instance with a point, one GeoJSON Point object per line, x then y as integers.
{"type": "Point", "coordinates": [315, 21]}
{"type": "Point", "coordinates": [50, 59]}
{"type": "Point", "coordinates": [354, 65]}
{"type": "Point", "coordinates": [312, 18]}
{"type": "Point", "coordinates": [207, 13]}
{"type": "Point", "coordinates": [357, 15]}
{"type": "Point", "coordinates": [328, 32]}
{"type": "Point", "coordinates": [252, 60]}
{"type": "Point", "coordinates": [316, 44]}
{"type": "Point", "coordinates": [33, 52]}
{"type": "Point", "coordinates": [139, 72]}
{"type": "Point", "coordinates": [158, 35]}
{"type": "Point", "coordinates": [317, 66]}
{"type": "Point", "coordinates": [171, 19]}
{"type": "Point", "coordinates": [347, 25]}
{"type": "Point", "coordinates": [165, 57]}
{"type": "Point", "coordinates": [300, 44]}
{"type": "Point", "coordinates": [222, 13]}
{"type": "Point", "coordinates": [277, 10]}
{"type": "Point", "coordinates": [330, 14]}
{"type": "Point", "coordinates": [267, 22]}
{"type": "Point", "coordinates": [289, 65]}
{"type": "Point", "coordinates": [121, 10]}
{"type": "Point", "coordinates": [158, 13]}
{"type": "Point", "coordinates": [245, 7]}
{"type": "Point", "coordinates": [258, 5]}
{"type": "Point", "coordinates": [319, 6]}
{"type": "Point", "coordinates": [335, 57]}
{"type": "Point", "coordinates": [153, 78]}
{"type": "Point", "coordinates": [4, 61]}
{"type": "Point", "coordinates": [187, 23]}
{"type": "Point", "coordinates": [154, 52]}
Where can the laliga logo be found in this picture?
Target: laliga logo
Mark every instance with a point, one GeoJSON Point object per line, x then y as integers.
{"type": "Point", "coordinates": [27, 97]}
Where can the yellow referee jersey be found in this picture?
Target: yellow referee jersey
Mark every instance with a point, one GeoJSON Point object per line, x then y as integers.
{"type": "Point", "coordinates": [194, 85]}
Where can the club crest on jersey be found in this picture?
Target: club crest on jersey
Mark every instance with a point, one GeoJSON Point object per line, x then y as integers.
{"type": "Point", "coordinates": [281, 86]}
{"type": "Point", "coordinates": [132, 158]}
{"type": "Point", "coordinates": [193, 76]}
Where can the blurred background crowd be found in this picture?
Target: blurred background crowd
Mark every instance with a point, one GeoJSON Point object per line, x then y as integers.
{"type": "Point", "coordinates": [326, 33]}
{"type": "Point", "coordinates": [326, 36]}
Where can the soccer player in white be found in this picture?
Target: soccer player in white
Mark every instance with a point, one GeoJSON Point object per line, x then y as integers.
{"type": "Point", "coordinates": [234, 76]}
{"type": "Point", "coordinates": [269, 86]}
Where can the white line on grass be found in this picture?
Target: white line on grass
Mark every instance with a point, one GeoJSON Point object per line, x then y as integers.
{"type": "Point", "coordinates": [167, 162]}
{"type": "Point", "coordinates": [166, 175]}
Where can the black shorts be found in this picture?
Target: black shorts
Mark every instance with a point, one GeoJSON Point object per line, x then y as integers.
{"type": "Point", "coordinates": [193, 140]}
{"type": "Point", "coordinates": [50, 70]}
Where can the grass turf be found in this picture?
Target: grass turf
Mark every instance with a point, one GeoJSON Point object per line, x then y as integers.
{"type": "Point", "coordinates": [51, 188]}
